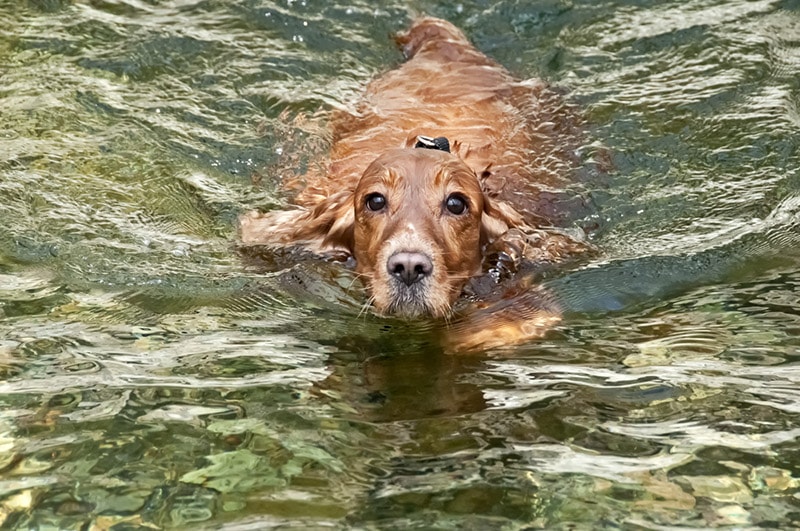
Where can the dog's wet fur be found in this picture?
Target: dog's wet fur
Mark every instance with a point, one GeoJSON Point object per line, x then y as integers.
{"type": "Point", "coordinates": [418, 220]}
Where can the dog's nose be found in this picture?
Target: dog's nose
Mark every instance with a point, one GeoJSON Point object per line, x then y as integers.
{"type": "Point", "coordinates": [409, 267]}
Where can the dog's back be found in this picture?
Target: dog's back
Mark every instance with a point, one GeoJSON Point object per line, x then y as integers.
{"type": "Point", "coordinates": [518, 136]}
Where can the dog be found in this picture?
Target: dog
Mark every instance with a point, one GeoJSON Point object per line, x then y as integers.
{"type": "Point", "coordinates": [447, 161]}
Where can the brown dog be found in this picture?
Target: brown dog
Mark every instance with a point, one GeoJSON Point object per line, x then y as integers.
{"type": "Point", "coordinates": [418, 220]}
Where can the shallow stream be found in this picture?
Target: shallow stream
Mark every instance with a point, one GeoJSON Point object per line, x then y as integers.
{"type": "Point", "coordinates": [150, 378]}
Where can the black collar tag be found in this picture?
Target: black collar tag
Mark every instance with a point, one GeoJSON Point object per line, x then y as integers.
{"type": "Point", "coordinates": [426, 142]}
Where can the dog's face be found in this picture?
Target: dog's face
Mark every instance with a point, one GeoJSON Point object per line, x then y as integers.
{"type": "Point", "coordinates": [416, 224]}
{"type": "Point", "coordinates": [417, 230]}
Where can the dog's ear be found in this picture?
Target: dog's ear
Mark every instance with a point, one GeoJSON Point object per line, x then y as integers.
{"type": "Point", "coordinates": [497, 218]}
{"type": "Point", "coordinates": [328, 226]}
{"type": "Point", "coordinates": [333, 220]}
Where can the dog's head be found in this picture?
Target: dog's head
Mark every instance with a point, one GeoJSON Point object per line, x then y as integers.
{"type": "Point", "coordinates": [417, 231]}
{"type": "Point", "coordinates": [416, 225]}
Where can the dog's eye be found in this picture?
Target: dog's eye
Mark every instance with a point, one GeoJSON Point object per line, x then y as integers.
{"type": "Point", "coordinates": [375, 202]}
{"type": "Point", "coordinates": [456, 204]}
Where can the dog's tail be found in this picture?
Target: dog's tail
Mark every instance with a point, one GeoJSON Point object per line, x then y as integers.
{"type": "Point", "coordinates": [428, 30]}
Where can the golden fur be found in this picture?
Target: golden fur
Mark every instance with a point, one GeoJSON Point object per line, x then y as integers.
{"type": "Point", "coordinates": [511, 141]}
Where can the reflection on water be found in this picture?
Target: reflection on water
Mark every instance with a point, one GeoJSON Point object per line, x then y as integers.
{"type": "Point", "coordinates": [150, 377]}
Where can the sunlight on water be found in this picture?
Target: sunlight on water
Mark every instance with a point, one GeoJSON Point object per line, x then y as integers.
{"type": "Point", "coordinates": [151, 376]}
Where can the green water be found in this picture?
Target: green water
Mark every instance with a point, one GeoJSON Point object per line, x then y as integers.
{"type": "Point", "coordinates": [149, 378]}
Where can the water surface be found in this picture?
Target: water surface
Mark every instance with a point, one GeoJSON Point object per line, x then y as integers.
{"type": "Point", "coordinates": [151, 378]}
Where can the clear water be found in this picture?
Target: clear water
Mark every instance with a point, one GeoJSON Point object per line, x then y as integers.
{"type": "Point", "coordinates": [150, 378]}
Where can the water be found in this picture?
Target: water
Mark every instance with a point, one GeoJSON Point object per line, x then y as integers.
{"type": "Point", "coordinates": [152, 378]}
